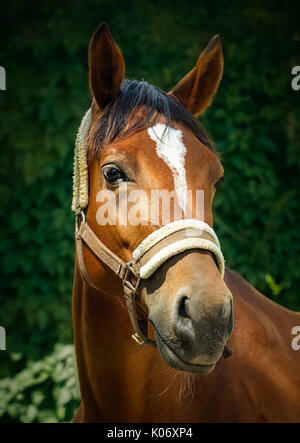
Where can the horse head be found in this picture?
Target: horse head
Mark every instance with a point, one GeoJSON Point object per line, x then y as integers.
{"type": "Point", "coordinates": [141, 141]}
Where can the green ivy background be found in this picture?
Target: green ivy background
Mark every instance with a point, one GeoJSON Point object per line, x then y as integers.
{"type": "Point", "coordinates": [254, 121]}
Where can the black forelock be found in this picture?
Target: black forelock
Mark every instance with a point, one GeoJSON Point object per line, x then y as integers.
{"type": "Point", "coordinates": [120, 118]}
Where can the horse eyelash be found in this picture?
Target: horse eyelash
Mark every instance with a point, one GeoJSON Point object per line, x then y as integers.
{"type": "Point", "coordinates": [219, 182]}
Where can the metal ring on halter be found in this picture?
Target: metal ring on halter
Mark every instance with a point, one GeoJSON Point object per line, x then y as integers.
{"type": "Point", "coordinates": [82, 215]}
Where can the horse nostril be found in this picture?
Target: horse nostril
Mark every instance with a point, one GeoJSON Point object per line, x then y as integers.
{"type": "Point", "coordinates": [183, 308]}
{"type": "Point", "coordinates": [183, 323]}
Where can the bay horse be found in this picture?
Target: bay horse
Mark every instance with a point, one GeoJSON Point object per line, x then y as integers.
{"type": "Point", "coordinates": [182, 308]}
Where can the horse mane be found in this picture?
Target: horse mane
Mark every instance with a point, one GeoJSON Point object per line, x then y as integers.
{"type": "Point", "coordinates": [137, 106]}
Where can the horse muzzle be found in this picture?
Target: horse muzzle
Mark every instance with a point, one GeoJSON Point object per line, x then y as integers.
{"type": "Point", "coordinates": [192, 326]}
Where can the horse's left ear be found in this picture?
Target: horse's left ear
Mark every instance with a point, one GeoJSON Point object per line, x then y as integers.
{"type": "Point", "coordinates": [106, 66]}
{"type": "Point", "coordinates": [196, 90]}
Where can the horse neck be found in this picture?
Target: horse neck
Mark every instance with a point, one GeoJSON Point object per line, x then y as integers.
{"type": "Point", "coordinates": [262, 330]}
{"type": "Point", "coordinates": [102, 332]}
{"type": "Point", "coordinates": [99, 319]}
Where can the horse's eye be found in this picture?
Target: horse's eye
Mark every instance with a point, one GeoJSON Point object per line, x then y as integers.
{"type": "Point", "coordinates": [113, 174]}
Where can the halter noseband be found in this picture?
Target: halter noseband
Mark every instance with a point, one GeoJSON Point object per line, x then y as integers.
{"type": "Point", "coordinates": [151, 253]}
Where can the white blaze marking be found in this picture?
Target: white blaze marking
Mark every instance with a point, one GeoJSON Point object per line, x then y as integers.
{"type": "Point", "coordinates": [170, 148]}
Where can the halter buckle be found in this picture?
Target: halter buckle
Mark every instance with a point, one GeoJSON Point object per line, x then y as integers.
{"type": "Point", "coordinates": [82, 215]}
{"type": "Point", "coordinates": [127, 283]}
{"type": "Point", "coordinates": [138, 339]}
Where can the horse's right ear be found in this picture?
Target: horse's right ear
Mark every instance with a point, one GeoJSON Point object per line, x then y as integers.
{"type": "Point", "coordinates": [106, 66]}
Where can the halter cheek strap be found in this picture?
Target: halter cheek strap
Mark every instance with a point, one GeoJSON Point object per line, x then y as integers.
{"type": "Point", "coordinates": [127, 272]}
